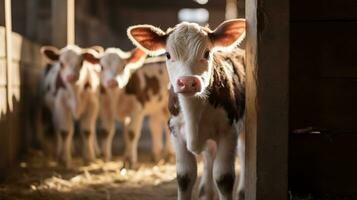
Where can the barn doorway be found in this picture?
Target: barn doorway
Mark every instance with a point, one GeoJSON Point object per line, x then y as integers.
{"type": "Point", "coordinates": [29, 173]}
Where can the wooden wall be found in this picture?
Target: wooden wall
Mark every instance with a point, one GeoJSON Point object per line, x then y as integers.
{"type": "Point", "coordinates": [323, 96]}
{"type": "Point", "coordinates": [16, 127]}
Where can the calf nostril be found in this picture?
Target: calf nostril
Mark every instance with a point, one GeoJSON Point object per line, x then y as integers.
{"type": "Point", "coordinates": [180, 83]}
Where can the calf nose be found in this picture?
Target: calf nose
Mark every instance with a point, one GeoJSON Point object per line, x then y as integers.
{"type": "Point", "coordinates": [188, 84]}
{"type": "Point", "coordinates": [112, 83]}
{"type": "Point", "coordinates": [72, 78]}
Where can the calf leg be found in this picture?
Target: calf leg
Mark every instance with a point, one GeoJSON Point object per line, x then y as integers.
{"type": "Point", "coordinates": [241, 153]}
{"type": "Point", "coordinates": [63, 122]}
{"type": "Point", "coordinates": [87, 126]}
{"type": "Point", "coordinates": [207, 187]}
{"type": "Point", "coordinates": [107, 133]}
{"type": "Point", "coordinates": [156, 135]}
{"type": "Point", "coordinates": [223, 167]}
{"type": "Point", "coordinates": [168, 151]}
{"type": "Point", "coordinates": [186, 168]}
{"type": "Point", "coordinates": [131, 137]}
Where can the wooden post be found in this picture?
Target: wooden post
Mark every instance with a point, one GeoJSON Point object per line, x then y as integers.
{"type": "Point", "coordinates": [231, 9]}
{"type": "Point", "coordinates": [8, 50]}
{"type": "Point", "coordinates": [63, 22]}
{"type": "Point", "coordinates": [267, 96]}
{"type": "Point", "coordinates": [31, 18]}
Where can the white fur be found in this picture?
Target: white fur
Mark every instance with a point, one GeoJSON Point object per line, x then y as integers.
{"type": "Point", "coordinates": [199, 127]}
{"type": "Point", "coordinates": [117, 105]}
{"type": "Point", "coordinates": [73, 102]}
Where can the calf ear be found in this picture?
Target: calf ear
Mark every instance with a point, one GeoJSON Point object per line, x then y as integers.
{"type": "Point", "coordinates": [136, 55]}
{"type": "Point", "coordinates": [91, 56]}
{"type": "Point", "coordinates": [98, 49]}
{"type": "Point", "coordinates": [228, 33]}
{"type": "Point", "coordinates": [136, 59]}
{"type": "Point", "coordinates": [148, 38]}
{"type": "Point", "coordinates": [50, 52]}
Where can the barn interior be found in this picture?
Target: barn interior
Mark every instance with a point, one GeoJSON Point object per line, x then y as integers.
{"type": "Point", "coordinates": [301, 115]}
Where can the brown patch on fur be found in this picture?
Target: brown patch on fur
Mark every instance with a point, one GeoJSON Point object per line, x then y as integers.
{"type": "Point", "coordinates": [87, 85]}
{"type": "Point", "coordinates": [59, 83]}
{"type": "Point", "coordinates": [102, 89]}
{"type": "Point", "coordinates": [48, 68]}
{"type": "Point", "coordinates": [174, 106]}
{"type": "Point", "coordinates": [142, 94]}
{"type": "Point", "coordinates": [228, 93]}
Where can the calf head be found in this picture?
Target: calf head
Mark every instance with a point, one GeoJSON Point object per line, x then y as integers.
{"type": "Point", "coordinates": [70, 59]}
{"type": "Point", "coordinates": [188, 49]}
{"type": "Point", "coordinates": [116, 65]}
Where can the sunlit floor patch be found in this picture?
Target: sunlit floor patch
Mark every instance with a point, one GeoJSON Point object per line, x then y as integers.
{"type": "Point", "coordinates": [40, 178]}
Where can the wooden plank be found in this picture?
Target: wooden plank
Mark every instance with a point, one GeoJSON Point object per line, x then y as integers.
{"type": "Point", "coordinates": [8, 50]}
{"type": "Point", "coordinates": [323, 75]}
{"type": "Point", "coordinates": [341, 10]}
{"type": "Point", "coordinates": [267, 89]}
{"type": "Point", "coordinates": [322, 165]}
{"type": "Point", "coordinates": [63, 22]}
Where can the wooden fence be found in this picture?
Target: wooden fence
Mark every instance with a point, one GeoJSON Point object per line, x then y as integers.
{"type": "Point", "coordinates": [19, 89]}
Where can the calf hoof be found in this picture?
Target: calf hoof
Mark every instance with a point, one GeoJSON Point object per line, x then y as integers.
{"type": "Point", "coordinates": [241, 195]}
{"type": "Point", "coordinates": [130, 165]}
{"type": "Point", "coordinates": [205, 193]}
{"type": "Point", "coordinates": [65, 164]}
{"type": "Point", "coordinates": [155, 158]}
{"type": "Point", "coordinates": [170, 158]}
{"type": "Point", "coordinates": [107, 159]}
{"type": "Point", "coordinates": [194, 148]}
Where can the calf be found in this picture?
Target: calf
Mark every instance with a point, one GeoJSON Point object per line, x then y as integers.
{"type": "Point", "coordinates": [72, 86]}
{"type": "Point", "coordinates": [133, 87]}
{"type": "Point", "coordinates": [207, 100]}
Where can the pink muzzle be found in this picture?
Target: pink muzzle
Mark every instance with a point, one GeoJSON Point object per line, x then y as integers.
{"type": "Point", "coordinates": [188, 85]}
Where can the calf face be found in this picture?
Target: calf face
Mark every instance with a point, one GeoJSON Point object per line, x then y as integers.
{"type": "Point", "coordinates": [188, 48]}
{"type": "Point", "coordinates": [70, 59]}
{"type": "Point", "coordinates": [114, 61]}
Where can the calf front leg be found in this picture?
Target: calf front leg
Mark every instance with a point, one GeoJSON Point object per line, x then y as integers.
{"type": "Point", "coordinates": [132, 134]}
{"type": "Point", "coordinates": [63, 122]}
{"type": "Point", "coordinates": [87, 126]}
{"type": "Point", "coordinates": [168, 151]}
{"type": "Point", "coordinates": [207, 187]}
{"type": "Point", "coordinates": [241, 153]}
{"type": "Point", "coordinates": [107, 134]}
{"type": "Point", "coordinates": [156, 136]}
{"type": "Point", "coordinates": [186, 168]}
{"type": "Point", "coordinates": [223, 168]}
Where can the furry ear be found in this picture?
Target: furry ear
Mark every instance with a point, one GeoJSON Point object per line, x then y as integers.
{"type": "Point", "coordinates": [98, 49]}
{"type": "Point", "coordinates": [50, 52]}
{"type": "Point", "coordinates": [136, 59]}
{"type": "Point", "coordinates": [228, 33]}
{"type": "Point", "coordinates": [136, 55]}
{"type": "Point", "coordinates": [91, 56]}
{"type": "Point", "coordinates": [149, 38]}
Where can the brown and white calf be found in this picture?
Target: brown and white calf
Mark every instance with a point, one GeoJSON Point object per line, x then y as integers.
{"type": "Point", "coordinates": [71, 93]}
{"type": "Point", "coordinates": [133, 87]}
{"type": "Point", "coordinates": [207, 101]}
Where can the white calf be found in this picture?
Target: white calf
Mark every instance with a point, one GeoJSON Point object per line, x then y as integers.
{"type": "Point", "coordinates": [207, 99]}
{"type": "Point", "coordinates": [72, 87]}
{"type": "Point", "coordinates": [133, 87]}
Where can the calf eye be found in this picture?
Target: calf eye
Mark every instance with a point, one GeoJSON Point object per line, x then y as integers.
{"type": "Point", "coordinates": [168, 56]}
{"type": "Point", "coordinates": [206, 55]}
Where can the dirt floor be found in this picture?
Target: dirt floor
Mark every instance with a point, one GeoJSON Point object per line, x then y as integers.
{"type": "Point", "coordinates": [40, 178]}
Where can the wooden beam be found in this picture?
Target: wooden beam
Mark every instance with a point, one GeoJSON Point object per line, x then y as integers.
{"type": "Point", "coordinates": [8, 50]}
{"type": "Point", "coordinates": [63, 22]}
{"type": "Point", "coordinates": [231, 9]}
{"type": "Point", "coordinates": [267, 96]}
